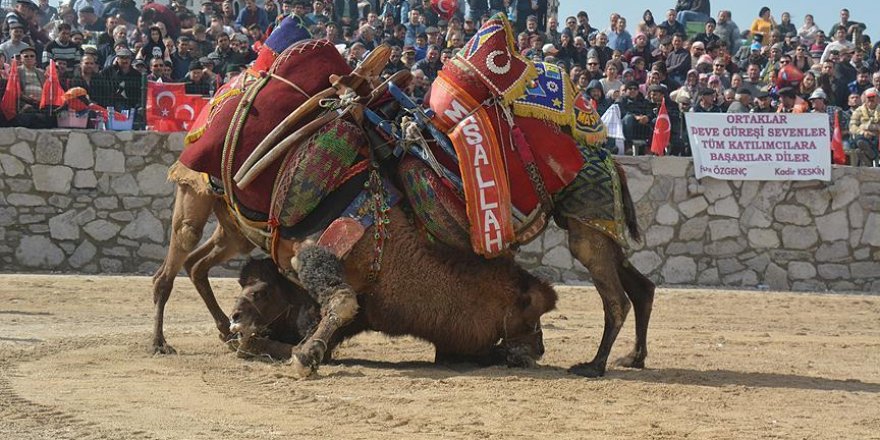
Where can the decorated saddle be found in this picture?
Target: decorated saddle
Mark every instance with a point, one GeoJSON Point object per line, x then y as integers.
{"type": "Point", "coordinates": [248, 113]}
{"type": "Point", "coordinates": [511, 123]}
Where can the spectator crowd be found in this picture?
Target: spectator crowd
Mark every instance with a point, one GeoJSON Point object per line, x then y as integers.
{"type": "Point", "coordinates": [690, 60]}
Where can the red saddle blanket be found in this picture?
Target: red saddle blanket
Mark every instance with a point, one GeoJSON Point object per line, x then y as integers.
{"type": "Point", "coordinates": [308, 65]}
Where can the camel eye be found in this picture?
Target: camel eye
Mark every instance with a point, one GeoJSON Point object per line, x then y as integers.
{"type": "Point", "coordinates": [260, 294]}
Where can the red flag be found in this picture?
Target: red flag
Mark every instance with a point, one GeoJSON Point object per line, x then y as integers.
{"type": "Point", "coordinates": [444, 8]}
{"type": "Point", "coordinates": [53, 94]}
{"type": "Point", "coordinates": [662, 131]}
{"type": "Point", "coordinates": [837, 155]}
{"type": "Point", "coordinates": [9, 105]}
{"type": "Point", "coordinates": [169, 108]}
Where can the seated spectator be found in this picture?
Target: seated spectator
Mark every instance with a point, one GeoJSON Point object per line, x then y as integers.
{"type": "Point", "coordinates": [430, 65]}
{"type": "Point", "coordinates": [181, 58]}
{"type": "Point", "coordinates": [862, 82]}
{"type": "Point", "coordinates": [395, 64]}
{"type": "Point", "coordinates": [86, 74]}
{"type": "Point", "coordinates": [612, 80]}
{"type": "Point", "coordinates": [708, 36]}
{"type": "Point", "coordinates": [849, 27]}
{"type": "Point", "coordinates": [790, 102]}
{"type": "Point", "coordinates": [785, 25]}
{"type": "Point", "coordinates": [865, 128]}
{"type": "Point", "coordinates": [15, 44]}
{"type": "Point", "coordinates": [693, 10]}
{"type": "Point", "coordinates": [839, 44]}
{"type": "Point", "coordinates": [620, 39]}
{"type": "Point", "coordinates": [596, 92]}
{"type": "Point", "coordinates": [707, 102]}
{"type": "Point", "coordinates": [636, 113]}
{"type": "Point", "coordinates": [640, 49]}
{"type": "Point", "coordinates": [742, 101]}
{"type": "Point", "coordinates": [155, 46]}
{"type": "Point", "coordinates": [763, 104]}
{"type": "Point", "coordinates": [90, 21]}
{"type": "Point", "coordinates": [671, 25]}
{"type": "Point", "coordinates": [124, 81]}
{"type": "Point", "coordinates": [31, 79]}
{"type": "Point", "coordinates": [157, 71]}
{"type": "Point", "coordinates": [809, 30]}
{"type": "Point", "coordinates": [62, 48]}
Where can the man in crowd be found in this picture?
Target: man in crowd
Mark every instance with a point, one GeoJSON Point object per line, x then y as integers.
{"type": "Point", "coordinates": [15, 44]}
{"type": "Point", "coordinates": [742, 101]}
{"type": "Point", "coordinates": [636, 113]}
{"type": "Point", "coordinates": [865, 128]}
{"type": "Point", "coordinates": [123, 80]}
{"type": "Point", "coordinates": [62, 48]}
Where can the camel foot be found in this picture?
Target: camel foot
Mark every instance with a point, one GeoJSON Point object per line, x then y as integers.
{"type": "Point", "coordinates": [232, 341]}
{"type": "Point", "coordinates": [163, 348]}
{"type": "Point", "coordinates": [632, 360]}
{"type": "Point", "coordinates": [588, 369]}
{"type": "Point", "coordinates": [302, 369]}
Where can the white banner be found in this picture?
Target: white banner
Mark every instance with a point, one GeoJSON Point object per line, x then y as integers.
{"type": "Point", "coordinates": [760, 146]}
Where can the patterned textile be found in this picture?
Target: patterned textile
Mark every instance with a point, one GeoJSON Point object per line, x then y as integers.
{"type": "Point", "coordinates": [486, 188]}
{"type": "Point", "coordinates": [587, 127]}
{"type": "Point", "coordinates": [314, 170]}
{"type": "Point", "coordinates": [289, 32]}
{"type": "Point", "coordinates": [595, 196]}
{"type": "Point", "coordinates": [308, 64]}
{"type": "Point", "coordinates": [437, 208]}
{"type": "Point", "coordinates": [491, 54]}
{"type": "Point", "coordinates": [550, 96]}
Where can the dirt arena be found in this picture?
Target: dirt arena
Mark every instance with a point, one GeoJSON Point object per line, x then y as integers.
{"type": "Point", "coordinates": [75, 364]}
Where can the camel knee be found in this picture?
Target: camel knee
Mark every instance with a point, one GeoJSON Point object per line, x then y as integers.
{"type": "Point", "coordinates": [343, 304]}
{"type": "Point", "coordinates": [187, 236]}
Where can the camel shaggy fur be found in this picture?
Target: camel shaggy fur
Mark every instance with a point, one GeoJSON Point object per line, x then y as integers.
{"type": "Point", "coordinates": [620, 285]}
{"type": "Point", "coordinates": [462, 304]}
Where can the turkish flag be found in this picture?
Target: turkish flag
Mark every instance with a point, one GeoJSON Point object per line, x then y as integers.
{"type": "Point", "coordinates": [53, 94]}
{"type": "Point", "coordinates": [9, 105]}
{"type": "Point", "coordinates": [662, 131]}
{"type": "Point", "coordinates": [169, 108]}
{"type": "Point", "coordinates": [444, 8]}
{"type": "Point", "coordinates": [837, 155]}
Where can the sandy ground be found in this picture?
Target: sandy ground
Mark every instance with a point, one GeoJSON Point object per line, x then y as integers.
{"type": "Point", "coordinates": [75, 364]}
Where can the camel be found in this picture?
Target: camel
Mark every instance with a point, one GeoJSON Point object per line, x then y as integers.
{"type": "Point", "coordinates": [464, 307]}
{"type": "Point", "coordinates": [620, 285]}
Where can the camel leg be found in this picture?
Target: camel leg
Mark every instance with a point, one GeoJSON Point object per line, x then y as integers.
{"type": "Point", "coordinates": [640, 291]}
{"type": "Point", "coordinates": [225, 243]}
{"type": "Point", "coordinates": [191, 211]}
{"type": "Point", "coordinates": [601, 255]}
{"type": "Point", "coordinates": [320, 272]}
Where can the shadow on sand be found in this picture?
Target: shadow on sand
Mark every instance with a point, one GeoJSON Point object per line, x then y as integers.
{"type": "Point", "coordinates": [669, 376]}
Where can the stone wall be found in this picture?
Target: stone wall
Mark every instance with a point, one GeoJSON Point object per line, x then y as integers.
{"type": "Point", "coordinates": [98, 202]}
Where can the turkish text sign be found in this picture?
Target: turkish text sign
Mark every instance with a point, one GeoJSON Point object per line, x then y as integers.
{"type": "Point", "coordinates": [760, 146]}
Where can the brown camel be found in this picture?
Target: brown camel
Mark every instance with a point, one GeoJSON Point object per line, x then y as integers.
{"type": "Point", "coordinates": [619, 283]}
{"type": "Point", "coordinates": [462, 306]}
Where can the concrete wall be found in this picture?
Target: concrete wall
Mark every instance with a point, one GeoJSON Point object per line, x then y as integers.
{"type": "Point", "coordinates": [98, 202]}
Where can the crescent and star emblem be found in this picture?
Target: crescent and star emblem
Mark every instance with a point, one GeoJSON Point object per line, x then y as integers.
{"type": "Point", "coordinates": [493, 66]}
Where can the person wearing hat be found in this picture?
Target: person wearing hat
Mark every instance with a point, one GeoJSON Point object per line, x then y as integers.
{"type": "Point", "coordinates": [14, 45]}
{"type": "Point", "coordinates": [635, 114]}
{"type": "Point", "coordinates": [640, 48]}
{"type": "Point", "coordinates": [865, 128]}
{"type": "Point", "coordinates": [788, 101]}
{"type": "Point", "coordinates": [408, 56]}
{"type": "Point", "coordinates": [742, 101]}
{"type": "Point", "coordinates": [89, 19]}
{"type": "Point", "coordinates": [96, 5]}
{"type": "Point", "coordinates": [819, 102]}
{"type": "Point", "coordinates": [706, 103]}
{"type": "Point", "coordinates": [127, 9]}
{"type": "Point", "coordinates": [24, 13]}
{"type": "Point", "coordinates": [124, 81]}
{"type": "Point", "coordinates": [31, 78]}
{"type": "Point", "coordinates": [708, 36]}
{"type": "Point", "coordinates": [763, 103]}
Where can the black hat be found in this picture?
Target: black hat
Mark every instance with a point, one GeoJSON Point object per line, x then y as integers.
{"type": "Point", "coordinates": [744, 91]}
{"type": "Point", "coordinates": [87, 10]}
{"type": "Point", "coordinates": [656, 88]}
{"type": "Point", "coordinates": [707, 91]}
{"type": "Point", "coordinates": [196, 65]}
{"type": "Point", "coordinates": [787, 92]}
{"type": "Point", "coordinates": [16, 25]}
{"type": "Point", "coordinates": [762, 94]}
{"type": "Point", "coordinates": [28, 3]}
{"type": "Point", "coordinates": [28, 49]}
{"type": "Point", "coordinates": [631, 84]}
